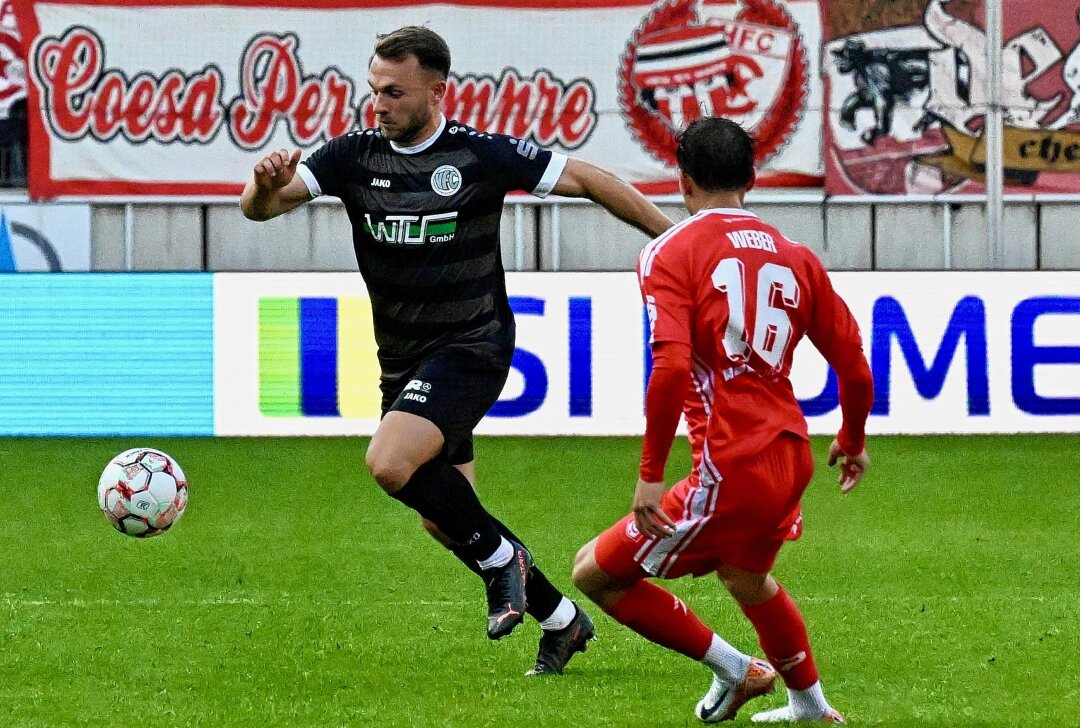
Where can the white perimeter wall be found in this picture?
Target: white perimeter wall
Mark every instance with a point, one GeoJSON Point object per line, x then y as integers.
{"type": "Point", "coordinates": [848, 236]}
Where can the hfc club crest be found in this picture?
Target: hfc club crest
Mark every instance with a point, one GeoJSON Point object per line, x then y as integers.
{"type": "Point", "coordinates": [680, 66]}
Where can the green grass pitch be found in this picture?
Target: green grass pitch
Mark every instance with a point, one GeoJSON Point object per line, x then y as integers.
{"type": "Point", "coordinates": [945, 591]}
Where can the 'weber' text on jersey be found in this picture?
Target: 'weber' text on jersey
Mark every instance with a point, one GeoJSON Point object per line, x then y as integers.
{"type": "Point", "coordinates": [425, 223]}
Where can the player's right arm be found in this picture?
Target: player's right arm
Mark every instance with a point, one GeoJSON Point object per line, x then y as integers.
{"type": "Point", "coordinates": [835, 333]}
{"type": "Point", "coordinates": [665, 290]}
{"type": "Point", "coordinates": [275, 187]}
{"type": "Point", "coordinates": [620, 198]}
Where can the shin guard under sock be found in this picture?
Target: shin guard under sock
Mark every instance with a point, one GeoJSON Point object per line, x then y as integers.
{"type": "Point", "coordinates": [441, 494]}
{"type": "Point", "coordinates": [782, 635]}
{"type": "Point", "coordinates": [658, 615]}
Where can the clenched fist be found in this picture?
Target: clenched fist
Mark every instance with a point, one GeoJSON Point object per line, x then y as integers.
{"type": "Point", "coordinates": [276, 169]}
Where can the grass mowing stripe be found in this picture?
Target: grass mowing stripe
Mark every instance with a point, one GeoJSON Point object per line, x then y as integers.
{"type": "Point", "coordinates": [942, 592]}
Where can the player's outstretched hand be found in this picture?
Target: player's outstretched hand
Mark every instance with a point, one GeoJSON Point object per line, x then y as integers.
{"type": "Point", "coordinates": [276, 169]}
{"type": "Point", "coordinates": [852, 469]}
{"type": "Point", "coordinates": [650, 518]}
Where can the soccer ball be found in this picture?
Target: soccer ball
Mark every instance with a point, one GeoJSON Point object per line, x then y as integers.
{"type": "Point", "coordinates": [142, 492]}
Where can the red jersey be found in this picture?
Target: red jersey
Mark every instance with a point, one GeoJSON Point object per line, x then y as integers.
{"type": "Point", "coordinates": [734, 296]}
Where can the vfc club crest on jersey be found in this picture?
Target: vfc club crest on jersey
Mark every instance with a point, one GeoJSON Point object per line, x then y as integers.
{"type": "Point", "coordinates": [680, 66]}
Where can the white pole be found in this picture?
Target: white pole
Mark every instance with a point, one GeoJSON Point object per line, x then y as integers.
{"type": "Point", "coordinates": [995, 182]}
{"type": "Point", "coordinates": [129, 237]}
{"type": "Point", "coordinates": [519, 237]}
{"type": "Point", "coordinates": [946, 221]}
{"type": "Point", "coordinates": [556, 236]}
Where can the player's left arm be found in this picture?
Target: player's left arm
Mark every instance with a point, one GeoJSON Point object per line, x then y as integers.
{"type": "Point", "coordinates": [834, 332]}
{"type": "Point", "coordinates": [518, 164]}
{"type": "Point", "coordinates": [582, 179]}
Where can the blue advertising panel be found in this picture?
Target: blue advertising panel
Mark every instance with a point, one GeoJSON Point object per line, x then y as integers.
{"type": "Point", "coordinates": [106, 354]}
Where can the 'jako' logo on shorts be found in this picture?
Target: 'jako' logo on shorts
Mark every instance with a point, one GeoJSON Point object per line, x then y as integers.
{"type": "Point", "coordinates": [446, 180]}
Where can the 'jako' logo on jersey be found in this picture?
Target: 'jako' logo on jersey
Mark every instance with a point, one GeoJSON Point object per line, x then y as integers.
{"type": "Point", "coordinates": [446, 180]}
{"type": "Point", "coordinates": [412, 229]}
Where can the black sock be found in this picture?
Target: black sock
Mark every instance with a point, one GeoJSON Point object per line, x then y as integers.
{"type": "Point", "coordinates": [441, 494]}
{"type": "Point", "coordinates": [543, 597]}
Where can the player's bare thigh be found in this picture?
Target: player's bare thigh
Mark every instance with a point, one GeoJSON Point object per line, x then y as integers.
{"type": "Point", "coordinates": [401, 444]}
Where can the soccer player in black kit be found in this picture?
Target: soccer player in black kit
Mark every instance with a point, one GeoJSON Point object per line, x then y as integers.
{"type": "Point", "coordinates": [425, 195]}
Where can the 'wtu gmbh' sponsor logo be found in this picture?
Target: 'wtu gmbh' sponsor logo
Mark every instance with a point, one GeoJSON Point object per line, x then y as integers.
{"type": "Point", "coordinates": [413, 229]}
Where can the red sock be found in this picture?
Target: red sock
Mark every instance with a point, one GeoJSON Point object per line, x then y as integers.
{"type": "Point", "coordinates": [658, 615]}
{"type": "Point", "coordinates": [782, 634]}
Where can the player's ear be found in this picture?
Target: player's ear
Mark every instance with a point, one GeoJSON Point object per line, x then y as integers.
{"type": "Point", "coordinates": [438, 91]}
{"type": "Point", "coordinates": [753, 180]}
{"type": "Point", "coordinates": [685, 184]}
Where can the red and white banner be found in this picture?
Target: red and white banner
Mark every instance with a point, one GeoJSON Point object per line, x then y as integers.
{"type": "Point", "coordinates": [907, 94]}
{"type": "Point", "coordinates": [12, 61]}
{"type": "Point", "coordinates": [178, 97]}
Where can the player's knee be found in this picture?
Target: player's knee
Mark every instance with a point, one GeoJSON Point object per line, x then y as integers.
{"type": "Point", "coordinates": [747, 588]}
{"type": "Point", "coordinates": [738, 591]}
{"type": "Point", "coordinates": [390, 473]}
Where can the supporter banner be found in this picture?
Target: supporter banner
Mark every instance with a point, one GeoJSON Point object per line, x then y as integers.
{"type": "Point", "coordinates": [951, 353]}
{"type": "Point", "coordinates": [907, 93]}
{"type": "Point", "coordinates": [106, 354]}
{"type": "Point", "coordinates": [122, 103]}
{"type": "Point", "coordinates": [44, 237]}
{"type": "Point", "coordinates": [12, 64]}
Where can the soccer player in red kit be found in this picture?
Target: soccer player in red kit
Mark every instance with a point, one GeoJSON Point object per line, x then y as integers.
{"type": "Point", "coordinates": [728, 298]}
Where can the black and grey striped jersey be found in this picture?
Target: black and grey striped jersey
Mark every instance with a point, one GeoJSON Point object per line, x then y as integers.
{"type": "Point", "coordinates": [425, 223]}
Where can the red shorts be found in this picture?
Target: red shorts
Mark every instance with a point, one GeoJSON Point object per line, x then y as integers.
{"type": "Point", "coordinates": [741, 521]}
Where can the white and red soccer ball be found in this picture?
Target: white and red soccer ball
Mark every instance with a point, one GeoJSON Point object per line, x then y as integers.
{"type": "Point", "coordinates": [142, 492]}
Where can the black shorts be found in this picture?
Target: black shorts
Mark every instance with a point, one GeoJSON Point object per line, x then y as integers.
{"type": "Point", "coordinates": [453, 388]}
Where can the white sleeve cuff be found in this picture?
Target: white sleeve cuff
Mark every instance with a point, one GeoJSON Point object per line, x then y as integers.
{"type": "Point", "coordinates": [554, 170]}
{"type": "Point", "coordinates": [309, 179]}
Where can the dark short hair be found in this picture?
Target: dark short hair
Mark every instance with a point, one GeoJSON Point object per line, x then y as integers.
{"type": "Point", "coordinates": [413, 40]}
{"type": "Point", "coordinates": [717, 154]}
